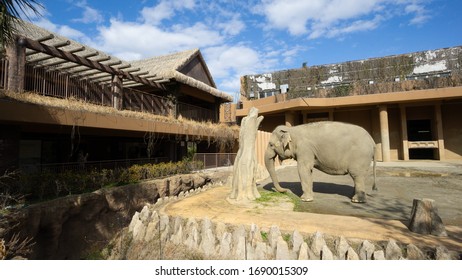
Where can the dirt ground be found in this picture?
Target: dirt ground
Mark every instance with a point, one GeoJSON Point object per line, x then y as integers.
{"type": "Point", "coordinates": [398, 184]}
{"type": "Point", "coordinates": [384, 216]}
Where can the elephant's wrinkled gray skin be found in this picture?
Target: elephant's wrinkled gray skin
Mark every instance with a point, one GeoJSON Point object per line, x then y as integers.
{"type": "Point", "coordinates": [333, 147]}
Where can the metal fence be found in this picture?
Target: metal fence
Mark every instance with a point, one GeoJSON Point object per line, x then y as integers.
{"type": "Point", "coordinates": [212, 160]}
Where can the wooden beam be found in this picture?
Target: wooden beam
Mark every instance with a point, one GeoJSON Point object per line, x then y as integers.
{"type": "Point", "coordinates": [34, 45]}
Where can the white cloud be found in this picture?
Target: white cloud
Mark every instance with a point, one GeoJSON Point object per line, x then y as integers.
{"type": "Point", "coordinates": [329, 18]}
{"type": "Point", "coordinates": [232, 27]}
{"type": "Point", "coordinates": [63, 30]}
{"type": "Point", "coordinates": [89, 14]}
{"type": "Point", "coordinates": [421, 15]}
{"type": "Point", "coordinates": [165, 9]}
{"type": "Point", "coordinates": [122, 38]}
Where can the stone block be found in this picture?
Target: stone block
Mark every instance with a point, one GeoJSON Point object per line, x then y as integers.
{"type": "Point", "coordinates": [282, 249]}
{"type": "Point", "coordinates": [341, 247]}
{"type": "Point", "coordinates": [366, 250]}
{"type": "Point", "coordinates": [317, 243]}
{"type": "Point", "coordinates": [414, 253]}
{"type": "Point", "coordinates": [378, 255]}
{"type": "Point", "coordinates": [351, 255]}
{"type": "Point", "coordinates": [393, 251]}
{"type": "Point", "coordinates": [326, 253]}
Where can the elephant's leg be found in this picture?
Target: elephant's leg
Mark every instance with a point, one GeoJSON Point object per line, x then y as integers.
{"type": "Point", "coordinates": [360, 188]}
{"type": "Point", "coordinates": [305, 171]}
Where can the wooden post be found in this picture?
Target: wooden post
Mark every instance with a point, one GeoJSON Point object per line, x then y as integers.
{"type": "Point", "coordinates": [117, 92]}
{"type": "Point", "coordinates": [425, 218]}
{"type": "Point", "coordinates": [16, 54]}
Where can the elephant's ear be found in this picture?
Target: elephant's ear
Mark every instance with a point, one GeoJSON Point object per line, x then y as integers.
{"type": "Point", "coordinates": [285, 139]}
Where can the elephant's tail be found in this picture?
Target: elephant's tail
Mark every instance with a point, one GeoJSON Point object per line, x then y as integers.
{"type": "Point", "coordinates": [374, 186]}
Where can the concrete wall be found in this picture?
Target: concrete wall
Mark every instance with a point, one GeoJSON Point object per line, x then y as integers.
{"type": "Point", "coordinates": [452, 129]}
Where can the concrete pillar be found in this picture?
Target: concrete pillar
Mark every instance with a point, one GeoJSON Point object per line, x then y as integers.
{"type": "Point", "coordinates": [439, 131]}
{"type": "Point", "coordinates": [16, 67]}
{"type": "Point", "coordinates": [331, 114]}
{"type": "Point", "coordinates": [290, 118]}
{"type": "Point", "coordinates": [384, 133]}
{"type": "Point", "coordinates": [404, 138]}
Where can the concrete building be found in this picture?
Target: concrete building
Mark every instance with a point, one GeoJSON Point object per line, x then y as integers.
{"type": "Point", "coordinates": [62, 102]}
{"type": "Point", "coordinates": [411, 104]}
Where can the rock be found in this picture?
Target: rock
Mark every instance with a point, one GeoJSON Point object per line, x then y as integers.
{"type": "Point", "coordinates": [145, 215]}
{"type": "Point", "coordinates": [239, 248]}
{"type": "Point", "coordinates": [139, 230]}
{"type": "Point", "coordinates": [425, 219]}
{"type": "Point", "coordinates": [351, 255]}
{"type": "Point", "coordinates": [414, 253]}
{"type": "Point", "coordinates": [393, 251]}
{"type": "Point", "coordinates": [297, 240]}
{"type": "Point", "coordinates": [261, 251]}
{"type": "Point", "coordinates": [366, 250]}
{"type": "Point", "coordinates": [282, 249]}
{"type": "Point", "coordinates": [326, 253]}
{"type": "Point", "coordinates": [341, 246]}
{"type": "Point", "coordinates": [134, 221]}
{"type": "Point", "coordinates": [273, 236]}
{"type": "Point", "coordinates": [177, 237]}
{"type": "Point", "coordinates": [164, 225]}
{"type": "Point", "coordinates": [254, 235]}
{"type": "Point", "coordinates": [317, 243]}
{"type": "Point", "coordinates": [303, 252]}
{"type": "Point", "coordinates": [378, 255]}
{"type": "Point", "coordinates": [442, 253]}
{"type": "Point", "coordinates": [225, 245]}
{"type": "Point", "coordinates": [207, 244]}
{"type": "Point", "coordinates": [192, 234]}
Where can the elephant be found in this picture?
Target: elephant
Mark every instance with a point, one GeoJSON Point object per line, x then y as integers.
{"type": "Point", "coordinates": [336, 148]}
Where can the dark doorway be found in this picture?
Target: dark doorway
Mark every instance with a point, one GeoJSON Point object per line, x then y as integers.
{"type": "Point", "coordinates": [420, 130]}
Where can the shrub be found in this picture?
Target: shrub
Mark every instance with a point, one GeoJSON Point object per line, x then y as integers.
{"type": "Point", "coordinates": [47, 185]}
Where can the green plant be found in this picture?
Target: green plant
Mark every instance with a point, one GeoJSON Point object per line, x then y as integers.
{"type": "Point", "coordinates": [264, 236]}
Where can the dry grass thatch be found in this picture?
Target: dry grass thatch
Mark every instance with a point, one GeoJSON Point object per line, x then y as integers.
{"type": "Point", "coordinates": [222, 134]}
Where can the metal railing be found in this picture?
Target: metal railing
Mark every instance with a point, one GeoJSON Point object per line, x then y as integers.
{"type": "Point", "coordinates": [212, 160]}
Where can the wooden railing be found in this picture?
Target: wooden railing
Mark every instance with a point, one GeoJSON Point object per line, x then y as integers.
{"type": "Point", "coordinates": [59, 84]}
{"type": "Point", "coordinates": [196, 113]}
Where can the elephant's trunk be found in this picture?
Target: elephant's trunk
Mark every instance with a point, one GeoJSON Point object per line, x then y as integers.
{"type": "Point", "coordinates": [270, 155]}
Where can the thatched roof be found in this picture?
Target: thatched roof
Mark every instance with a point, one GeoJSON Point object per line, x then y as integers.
{"type": "Point", "coordinates": [169, 66]}
{"type": "Point", "coordinates": [161, 69]}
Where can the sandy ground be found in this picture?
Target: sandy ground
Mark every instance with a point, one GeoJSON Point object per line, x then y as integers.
{"type": "Point", "coordinates": [384, 216]}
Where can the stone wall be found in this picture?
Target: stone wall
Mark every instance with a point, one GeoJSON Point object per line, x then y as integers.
{"type": "Point", "coordinates": [153, 235]}
{"type": "Point", "coordinates": [72, 227]}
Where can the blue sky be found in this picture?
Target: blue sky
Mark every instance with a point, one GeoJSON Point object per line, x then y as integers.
{"type": "Point", "coordinates": [256, 36]}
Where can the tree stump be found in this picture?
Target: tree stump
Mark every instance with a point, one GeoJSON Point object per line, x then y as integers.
{"type": "Point", "coordinates": [244, 187]}
{"type": "Point", "coordinates": [425, 218]}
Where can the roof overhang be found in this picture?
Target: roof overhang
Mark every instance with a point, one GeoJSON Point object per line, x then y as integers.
{"type": "Point", "coordinates": [271, 105]}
